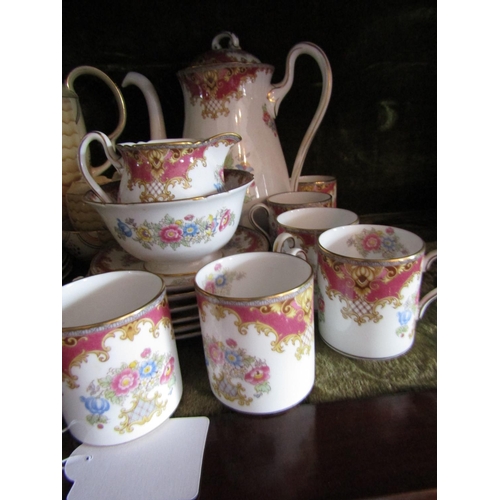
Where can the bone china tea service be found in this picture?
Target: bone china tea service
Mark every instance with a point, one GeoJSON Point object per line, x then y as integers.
{"type": "Point", "coordinates": [181, 260]}
{"type": "Point", "coordinates": [120, 368]}
{"type": "Point", "coordinates": [162, 170]}
{"type": "Point", "coordinates": [257, 325]}
{"type": "Point", "coordinates": [369, 279]}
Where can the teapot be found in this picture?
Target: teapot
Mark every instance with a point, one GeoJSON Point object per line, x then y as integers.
{"type": "Point", "coordinates": [230, 90]}
{"type": "Point", "coordinates": [73, 127]}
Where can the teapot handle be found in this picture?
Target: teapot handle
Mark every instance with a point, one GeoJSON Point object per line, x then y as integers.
{"type": "Point", "coordinates": [279, 91]}
{"type": "Point", "coordinates": [122, 113]}
{"type": "Point", "coordinates": [156, 121]}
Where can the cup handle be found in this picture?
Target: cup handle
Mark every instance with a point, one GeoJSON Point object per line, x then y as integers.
{"type": "Point", "coordinates": [253, 220]}
{"type": "Point", "coordinates": [431, 296]}
{"type": "Point", "coordinates": [294, 249]}
{"type": "Point", "coordinates": [86, 168]}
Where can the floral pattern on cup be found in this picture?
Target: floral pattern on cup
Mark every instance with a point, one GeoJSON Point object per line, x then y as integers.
{"type": "Point", "coordinates": [229, 363]}
{"type": "Point", "coordinates": [129, 386]}
{"type": "Point", "coordinates": [286, 322]}
{"type": "Point", "coordinates": [220, 280]}
{"type": "Point", "coordinates": [407, 317]}
{"type": "Point", "coordinates": [174, 233]}
{"type": "Point", "coordinates": [375, 242]}
{"type": "Point", "coordinates": [366, 290]}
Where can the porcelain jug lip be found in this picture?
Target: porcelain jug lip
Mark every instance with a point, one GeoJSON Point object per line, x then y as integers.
{"type": "Point", "coordinates": [180, 142]}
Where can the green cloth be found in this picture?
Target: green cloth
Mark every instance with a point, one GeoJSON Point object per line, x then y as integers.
{"type": "Point", "coordinates": [337, 377]}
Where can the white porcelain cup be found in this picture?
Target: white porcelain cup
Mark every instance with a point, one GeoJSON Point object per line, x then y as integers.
{"type": "Point", "coordinates": [369, 279]}
{"type": "Point", "coordinates": [319, 184]}
{"type": "Point", "coordinates": [120, 369]}
{"type": "Point", "coordinates": [300, 228]}
{"type": "Point", "coordinates": [257, 324]}
{"type": "Point", "coordinates": [263, 216]}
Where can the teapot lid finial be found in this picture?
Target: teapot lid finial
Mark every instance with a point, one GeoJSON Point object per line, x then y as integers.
{"type": "Point", "coordinates": [234, 43]}
{"type": "Point", "coordinates": [230, 53]}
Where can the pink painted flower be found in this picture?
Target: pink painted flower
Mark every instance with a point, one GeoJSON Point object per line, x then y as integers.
{"type": "Point", "coordinates": [216, 354]}
{"type": "Point", "coordinates": [189, 217]}
{"type": "Point", "coordinates": [171, 233]}
{"type": "Point", "coordinates": [167, 372]}
{"type": "Point", "coordinates": [389, 230]}
{"type": "Point", "coordinates": [321, 304]}
{"type": "Point", "coordinates": [210, 287]}
{"type": "Point", "coordinates": [258, 375]}
{"type": "Point", "coordinates": [226, 217]}
{"type": "Point", "coordinates": [146, 353]}
{"type": "Point", "coordinates": [371, 242]}
{"type": "Point", "coordinates": [231, 343]}
{"type": "Point", "coordinates": [218, 266]}
{"type": "Point", "coordinates": [125, 381]}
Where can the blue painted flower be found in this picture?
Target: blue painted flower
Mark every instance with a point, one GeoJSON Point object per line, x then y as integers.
{"type": "Point", "coordinates": [233, 358]}
{"type": "Point", "coordinates": [124, 229]}
{"type": "Point", "coordinates": [96, 406]}
{"type": "Point", "coordinates": [148, 369]}
{"type": "Point", "coordinates": [389, 243]}
{"type": "Point", "coordinates": [220, 280]}
{"type": "Point", "coordinates": [190, 229]}
{"type": "Point", "coordinates": [404, 317]}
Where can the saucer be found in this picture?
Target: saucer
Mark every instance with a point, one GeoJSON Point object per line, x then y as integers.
{"type": "Point", "coordinates": [180, 287]}
{"type": "Point", "coordinates": [115, 258]}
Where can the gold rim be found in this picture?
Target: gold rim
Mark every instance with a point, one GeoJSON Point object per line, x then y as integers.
{"type": "Point", "coordinates": [104, 325]}
{"type": "Point", "coordinates": [379, 261]}
{"type": "Point", "coordinates": [168, 143]}
{"type": "Point", "coordinates": [304, 230]}
{"type": "Point", "coordinates": [267, 298]}
{"type": "Point", "coordinates": [299, 204]}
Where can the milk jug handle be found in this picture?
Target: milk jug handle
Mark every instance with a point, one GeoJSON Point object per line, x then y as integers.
{"type": "Point", "coordinates": [278, 92]}
{"type": "Point", "coordinates": [122, 112]}
{"type": "Point", "coordinates": [86, 169]}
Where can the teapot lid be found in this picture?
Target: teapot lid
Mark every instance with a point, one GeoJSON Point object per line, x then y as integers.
{"type": "Point", "coordinates": [220, 55]}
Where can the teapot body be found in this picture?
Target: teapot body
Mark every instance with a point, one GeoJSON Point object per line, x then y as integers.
{"type": "Point", "coordinates": [229, 97]}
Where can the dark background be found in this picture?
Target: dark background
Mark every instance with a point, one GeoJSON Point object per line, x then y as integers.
{"type": "Point", "coordinates": [384, 62]}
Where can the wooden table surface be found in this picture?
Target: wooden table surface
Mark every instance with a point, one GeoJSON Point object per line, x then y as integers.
{"type": "Point", "coordinates": [383, 447]}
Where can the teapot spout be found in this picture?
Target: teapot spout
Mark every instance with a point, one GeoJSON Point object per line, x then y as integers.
{"type": "Point", "coordinates": [156, 121]}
